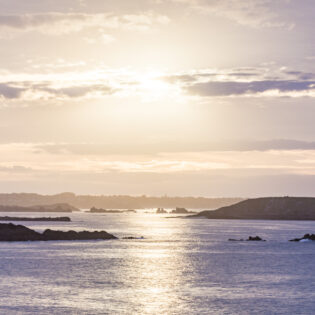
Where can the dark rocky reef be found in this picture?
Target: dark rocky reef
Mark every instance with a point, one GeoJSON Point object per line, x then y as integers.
{"type": "Point", "coordinates": [181, 211]}
{"type": "Point", "coordinates": [51, 235]}
{"type": "Point", "coordinates": [58, 207]}
{"type": "Point", "coordinates": [250, 239]}
{"type": "Point", "coordinates": [62, 219]}
{"type": "Point", "coordinates": [310, 237]}
{"type": "Point", "coordinates": [17, 233]}
{"type": "Point", "coordinates": [100, 210]}
{"type": "Point", "coordinates": [255, 239]}
{"type": "Point", "coordinates": [269, 208]}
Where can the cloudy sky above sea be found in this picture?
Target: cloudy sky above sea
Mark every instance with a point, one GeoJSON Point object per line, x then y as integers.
{"type": "Point", "coordinates": [177, 97]}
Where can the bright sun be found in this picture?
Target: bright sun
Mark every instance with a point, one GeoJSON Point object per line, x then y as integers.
{"type": "Point", "coordinates": [152, 87]}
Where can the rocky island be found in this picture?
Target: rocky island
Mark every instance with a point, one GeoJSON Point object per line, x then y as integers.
{"type": "Point", "coordinates": [160, 211]}
{"type": "Point", "coordinates": [58, 207]}
{"type": "Point", "coordinates": [269, 208]}
{"type": "Point", "coordinates": [250, 239]}
{"type": "Point", "coordinates": [306, 237]}
{"type": "Point", "coordinates": [62, 219]}
{"type": "Point", "coordinates": [18, 233]}
{"type": "Point", "coordinates": [100, 210]}
{"type": "Point", "coordinates": [181, 211]}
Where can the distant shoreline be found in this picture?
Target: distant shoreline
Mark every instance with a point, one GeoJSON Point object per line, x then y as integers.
{"type": "Point", "coordinates": [114, 202]}
{"type": "Point", "coordinates": [46, 219]}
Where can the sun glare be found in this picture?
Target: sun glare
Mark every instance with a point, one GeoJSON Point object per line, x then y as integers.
{"type": "Point", "coordinates": [152, 87]}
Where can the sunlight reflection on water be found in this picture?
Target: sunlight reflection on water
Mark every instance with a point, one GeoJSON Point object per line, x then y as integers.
{"type": "Point", "coordinates": [180, 267]}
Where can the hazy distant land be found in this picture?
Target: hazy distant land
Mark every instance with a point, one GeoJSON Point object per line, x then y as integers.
{"type": "Point", "coordinates": [58, 207]}
{"type": "Point", "coordinates": [44, 219]}
{"type": "Point", "coordinates": [115, 201]}
{"type": "Point", "coordinates": [267, 208]}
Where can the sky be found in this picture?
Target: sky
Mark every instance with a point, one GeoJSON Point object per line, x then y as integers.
{"type": "Point", "coordinates": [177, 97]}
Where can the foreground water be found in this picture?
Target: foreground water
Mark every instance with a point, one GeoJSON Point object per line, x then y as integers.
{"type": "Point", "coordinates": [180, 267]}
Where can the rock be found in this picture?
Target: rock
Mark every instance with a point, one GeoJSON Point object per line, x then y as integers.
{"type": "Point", "coordinates": [51, 235]}
{"type": "Point", "coordinates": [13, 233]}
{"type": "Point", "coordinates": [181, 211]}
{"type": "Point", "coordinates": [62, 219]}
{"type": "Point", "coordinates": [132, 238]}
{"type": "Point", "coordinates": [310, 237]}
{"type": "Point", "coordinates": [100, 210]}
{"type": "Point", "coordinates": [255, 238]}
{"type": "Point", "coordinates": [250, 238]}
{"type": "Point", "coordinates": [160, 211]}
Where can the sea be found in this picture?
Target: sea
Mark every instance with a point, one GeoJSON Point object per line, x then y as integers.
{"type": "Point", "coordinates": [174, 266]}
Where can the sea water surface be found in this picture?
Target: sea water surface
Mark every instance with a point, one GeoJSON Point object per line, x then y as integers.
{"type": "Point", "coordinates": [182, 266]}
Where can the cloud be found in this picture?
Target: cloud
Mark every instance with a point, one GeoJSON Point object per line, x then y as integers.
{"type": "Point", "coordinates": [22, 164]}
{"type": "Point", "coordinates": [302, 75]}
{"type": "Point", "coordinates": [63, 23]}
{"type": "Point", "coordinates": [79, 91]}
{"type": "Point", "coordinates": [17, 169]}
{"type": "Point", "coordinates": [34, 90]}
{"type": "Point", "coordinates": [217, 88]}
{"type": "Point", "coordinates": [10, 92]}
{"type": "Point", "coordinates": [48, 157]}
{"type": "Point", "coordinates": [249, 82]}
{"type": "Point", "coordinates": [263, 145]}
{"type": "Point", "coordinates": [154, 149]}
{"type": "Point", "coordinates": [246, 82]}
{"type": "Point", "coordinates": [255, 13]}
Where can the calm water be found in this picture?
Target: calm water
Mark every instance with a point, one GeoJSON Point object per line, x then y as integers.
{"type": "Point", "coordinates": [181, 267]}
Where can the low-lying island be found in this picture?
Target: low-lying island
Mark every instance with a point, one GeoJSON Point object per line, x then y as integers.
{"type": "Point", "coordinates": [267, 208]}
{"type": "Point", "coordinates": [18, 233]}
{"type": "Point", "coordinates": [56, 219]}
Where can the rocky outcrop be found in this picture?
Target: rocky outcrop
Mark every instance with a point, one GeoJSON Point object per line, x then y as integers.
{"type": "Point", "coordinates": [269, 208]}
{"type": "Point", "coordinates": [100, 210]}
{"type": "Point", "coordinates": [181, 211]}
{"type": "Point", "coordinates": [12, 233]}
{"type": "Point", "coordinates": [132, 238]}
{"type": "Point", "coordinates": [51, 235]}
{"type": "Point", "coordinates": [255, 239]}
{"type": "Point", "coordinates": [250, 238]}
{"type": "Point", "coordinates": [306, 237]}
{"type": "Point", "coordinates": [58, 207]}
{"type": "Point", "coordinates": [62, 219]}
{"type": "Point", "coordinates": [160, 211]}
{"type": "Point", "coordinates": [16, 233]}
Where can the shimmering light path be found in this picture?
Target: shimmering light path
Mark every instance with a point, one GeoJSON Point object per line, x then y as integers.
{"type": "Point", "coordinates": [181, 267]}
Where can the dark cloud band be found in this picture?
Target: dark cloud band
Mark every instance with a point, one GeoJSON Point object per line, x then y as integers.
{"type": "Point", "coordinates": [217, 88]}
